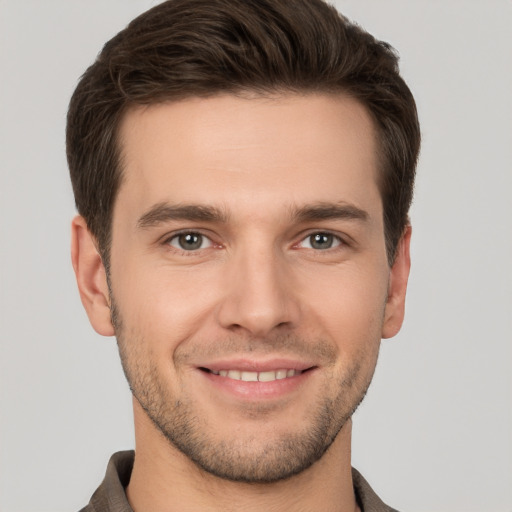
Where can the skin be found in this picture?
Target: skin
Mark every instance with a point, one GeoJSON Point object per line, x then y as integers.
{"type": "Point", "coordinates": [257, 293]}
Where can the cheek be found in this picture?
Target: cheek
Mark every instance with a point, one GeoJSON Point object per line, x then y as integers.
{"type": "Point", "coordinates": [163, 304]}
{"type": "Point", "coordinates": [350, 305]}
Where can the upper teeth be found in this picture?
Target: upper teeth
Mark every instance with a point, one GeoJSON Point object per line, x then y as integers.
{"type": "Point", "coordinates": [257, 376]}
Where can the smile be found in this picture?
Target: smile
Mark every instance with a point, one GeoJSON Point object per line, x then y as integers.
{"type": "Point", "coordinates": [257, 380]}
{"type": "Point", "coordinates": [247, 376]}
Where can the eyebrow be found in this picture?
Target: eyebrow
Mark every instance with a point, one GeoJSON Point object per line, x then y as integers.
{"type": "Point", "coordinates": [164, 212]}
{"type": "Point", "coordinates": [329, 211]}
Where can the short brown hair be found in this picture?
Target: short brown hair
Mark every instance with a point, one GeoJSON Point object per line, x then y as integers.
{"type": "Point", "coordinates": [186, 48]}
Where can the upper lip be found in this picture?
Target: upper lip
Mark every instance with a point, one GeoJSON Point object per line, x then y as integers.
{"type": "Point", "coordinates": [252, 365]}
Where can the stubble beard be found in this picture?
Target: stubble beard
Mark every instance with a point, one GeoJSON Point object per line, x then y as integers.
{"type": "Point", "coordinates": [244, 459]}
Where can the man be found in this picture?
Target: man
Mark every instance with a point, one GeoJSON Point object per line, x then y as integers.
{"type": "Point", "coordinates": [243, 172]}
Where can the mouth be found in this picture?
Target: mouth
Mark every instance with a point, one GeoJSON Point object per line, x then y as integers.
{"type": "Point", "coordinates": [254, 381]}
{"type": "Point", "coordinates": [252, 376]}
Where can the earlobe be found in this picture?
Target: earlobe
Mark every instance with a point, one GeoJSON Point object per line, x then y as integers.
{"type": "Point", "coordinates": [399, 275]}
{"type": "Point", "coordinates": [90, 277]}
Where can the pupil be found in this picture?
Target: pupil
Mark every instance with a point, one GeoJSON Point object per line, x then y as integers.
{"type": "Point", "coordinates": [321, 241]}
{"type": "Point", "coordinates": [190, 241]}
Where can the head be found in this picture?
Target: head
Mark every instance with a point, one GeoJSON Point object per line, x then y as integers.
{"type": "Point", "coordinates": [199, 48]}
{"type": "Point", "coordinates": [244, 171]}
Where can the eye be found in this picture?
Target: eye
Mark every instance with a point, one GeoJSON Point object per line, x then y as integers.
{"type": "Point", "coordinates": [321, 241]}
{"type": "Point", "coordinates": [189, 241]}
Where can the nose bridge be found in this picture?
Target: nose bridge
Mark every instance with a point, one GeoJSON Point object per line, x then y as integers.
{"type": "Point", "coordinates": [259, 296]}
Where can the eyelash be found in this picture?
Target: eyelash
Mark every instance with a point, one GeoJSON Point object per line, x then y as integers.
{"type": "Point", "coordinates": [168, 241]}
{"type": "Point", "coordinates": [337, 240]}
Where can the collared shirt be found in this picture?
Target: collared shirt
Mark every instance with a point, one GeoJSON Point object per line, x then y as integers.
{"type": "Point", "coordinates": [111, 496]}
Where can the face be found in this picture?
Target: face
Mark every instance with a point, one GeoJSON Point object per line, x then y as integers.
{"type": "Point", "coordinates": [249, 277]}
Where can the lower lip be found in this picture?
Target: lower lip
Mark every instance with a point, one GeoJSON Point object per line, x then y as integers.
{"type": "Point", "coordinates": [258, 390]}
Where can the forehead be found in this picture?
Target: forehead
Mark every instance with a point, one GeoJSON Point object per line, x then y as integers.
{"type": "Point", "coordinates": [231, 151]}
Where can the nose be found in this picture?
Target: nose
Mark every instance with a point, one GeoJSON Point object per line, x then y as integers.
{"type": "Point", "coordinates": [259, 295]}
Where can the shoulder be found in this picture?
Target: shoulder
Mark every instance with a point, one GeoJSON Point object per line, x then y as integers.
{"type": "Point", "coordinates": [366, 497]}
{"type": "Point", "coordinates": [110, 495]}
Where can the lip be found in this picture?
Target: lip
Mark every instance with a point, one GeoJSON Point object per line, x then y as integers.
{"type": "Point", "coordinates": [257, 390]}
{"type": "Point", "coordinates": [250, 365]}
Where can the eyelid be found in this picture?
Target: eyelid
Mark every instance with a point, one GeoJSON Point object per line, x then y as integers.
{"type": "Point", "coordinates": [168, 237]}
{"type": "Point", "coordinates": [342, 240]}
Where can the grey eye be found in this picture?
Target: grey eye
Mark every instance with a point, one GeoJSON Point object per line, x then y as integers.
{"type": "Point", "coordinates": [321, 241]}
{"type": "Point", "coordinates": [189, 241]}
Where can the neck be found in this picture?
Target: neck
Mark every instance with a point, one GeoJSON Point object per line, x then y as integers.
{"type": "Point", "coordinates": [165, 480]}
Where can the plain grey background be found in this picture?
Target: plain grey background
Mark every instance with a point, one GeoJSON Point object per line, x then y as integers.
{"type": "Point", "coordinates": [435, 432]}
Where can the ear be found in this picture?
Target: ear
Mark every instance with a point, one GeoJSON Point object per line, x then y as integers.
{"type": "Point", "coordinates": [90, 277]}
{"type": "Point", "coordinates": [398, 277]}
